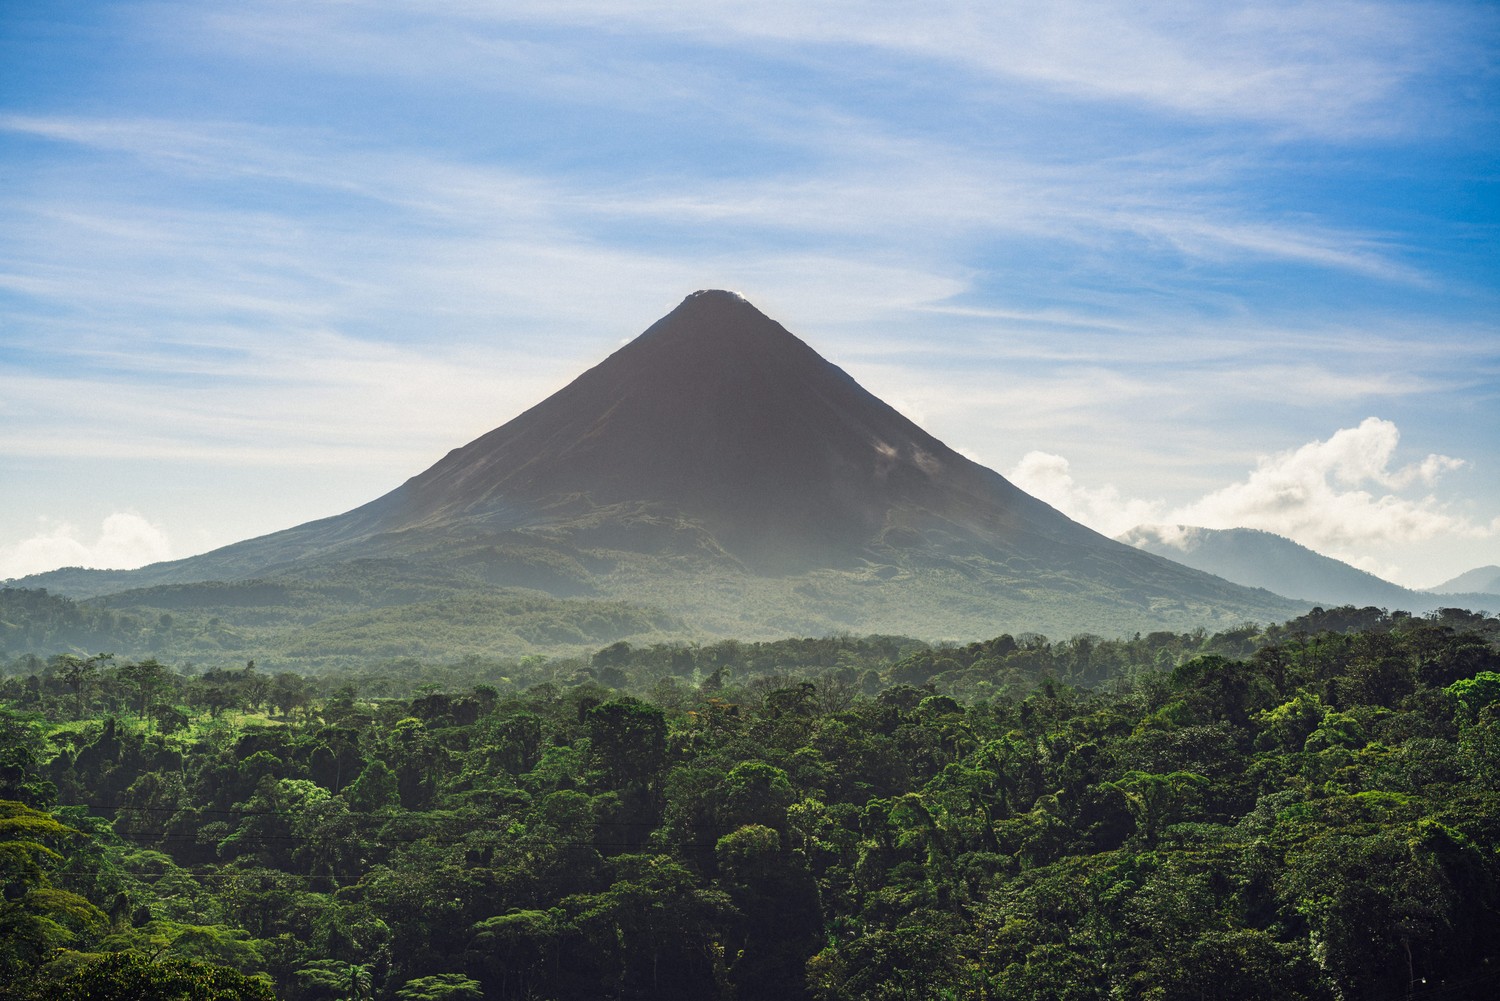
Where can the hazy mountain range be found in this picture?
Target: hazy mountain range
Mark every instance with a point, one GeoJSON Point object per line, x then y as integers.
{"type": "Point", "coordinates": [1484, 580]}
{"type": "Point", "coordinates": [1256, 558]}
{"type": "Point", "coordinates": [718, 477]}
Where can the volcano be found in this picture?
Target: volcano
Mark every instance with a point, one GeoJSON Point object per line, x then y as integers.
{"type": "Point", "coordinates": [718, 467]}
{"type": "Point", "coordinates": [717, 417]}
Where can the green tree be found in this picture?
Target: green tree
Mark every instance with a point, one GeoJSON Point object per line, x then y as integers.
{"type": "Point", "coordinates": [418, 760]}
{"type": "Point", "coordinates": [149, 679]}
{"type": "Point", "coordinates": [77, 672]}
{"type": "Point", "coordinates": [659, 930]}
{"type": "Point", "coordinates": [22, 748]}
{"type": "Point", "coordinates": [441, 987]}
{"type": "Point", "coordinates": [521, 951]}
{"type": "Point", "coordinates": [36, 917]}
{"type": "Point", "coordinates": [376, 788]}
{"type": "Point", "coordinates": [780, 923]}
{"type": "Point", "coordinates": [133, 977]}
{"type": "Point", "coordinates": [627, 741]}
{"type": "Point", "coordinates": [289, 691]}
{"type": "Point", "coordinates": [1156, 800]}
{"type": "Point", "coordinates": [335, 980]}
{"type": "Point", "coordinates": [754, 793]}
{"type": "Point", "coordinates": [1475, 694]}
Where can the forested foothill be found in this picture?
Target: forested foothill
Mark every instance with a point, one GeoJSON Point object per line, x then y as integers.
{"type": "Point", "coordinates": [1306, 811]}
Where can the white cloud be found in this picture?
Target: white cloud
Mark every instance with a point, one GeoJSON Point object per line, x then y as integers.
{"type": "Point", "coordinates": [1341, 66]}
{"type": "Point", "coordinates": [1339, 496]}
{"type": "Point", "coordinates": [125, 541]}
{"type": "Point", "coordinates": [1335, 495]}
{"type": "Point", "coordinates": [1049, 478]}
{"type": "Point", "coordinates": [1158, 204]}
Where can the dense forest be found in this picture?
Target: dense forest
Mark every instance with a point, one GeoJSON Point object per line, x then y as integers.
{"type": "Point", "coordinates": [1310, 811]}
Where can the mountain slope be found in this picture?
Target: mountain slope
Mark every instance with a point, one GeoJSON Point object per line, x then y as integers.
{"type": "Point", "coordinates": [1485, 580]}
{"type": "Point", "coordinates": [1257, 558]}
{"type": "Point", "coordinates": [718, 467]}
{"type": "Point", "coordinates": [717, 417]}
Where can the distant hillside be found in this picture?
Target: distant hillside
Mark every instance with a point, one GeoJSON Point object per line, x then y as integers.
{"type": "Point", "coordinates": [1257, 558]}
{"type": "Point", "coordinates": [1484, 580]}
{"type": "Point", "coordinates": [311, 625]}
{"type": "Point", "coordinates": [719, 472]}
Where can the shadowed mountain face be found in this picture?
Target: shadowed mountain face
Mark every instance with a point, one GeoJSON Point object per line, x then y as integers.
{"type": "Point", "coordinates": [719, 415]}
{"type": "Point", "coordinates": [719, 453]}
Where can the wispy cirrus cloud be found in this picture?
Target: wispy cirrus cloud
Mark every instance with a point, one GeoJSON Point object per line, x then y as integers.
{"type": "Point", "coordinates": [231, 290]}
{"type": "Point", "coordinates": [1342, 67]}
{"type": "Point", "coordinates": [948, 196]}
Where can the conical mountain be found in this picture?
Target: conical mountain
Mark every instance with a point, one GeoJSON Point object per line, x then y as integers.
{"type": "Point", "coordinates": [719, 415]}
{"type": "Point", "coordinates": [717, 463]}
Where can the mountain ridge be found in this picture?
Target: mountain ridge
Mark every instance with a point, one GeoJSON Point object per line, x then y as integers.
{"type": "Point", "coordinates": [1485, 579]}
{"type": "Point", "coordinates": [1257, 558]}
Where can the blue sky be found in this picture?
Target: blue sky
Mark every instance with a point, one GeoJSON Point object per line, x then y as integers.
{"type": "Point", "coordinates": [1223, 264]}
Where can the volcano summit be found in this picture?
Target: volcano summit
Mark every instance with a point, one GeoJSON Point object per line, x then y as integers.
{"type": "Point", "coordinates": [719, 469]}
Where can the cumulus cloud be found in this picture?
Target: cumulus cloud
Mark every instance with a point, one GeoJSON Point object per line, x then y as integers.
{"type": "Point", "coordinates": [125, 541]}
{"type": "Point", "coordinates": [1049, 478]}
{"type": "Point", "coordinates": [1336, 496]}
